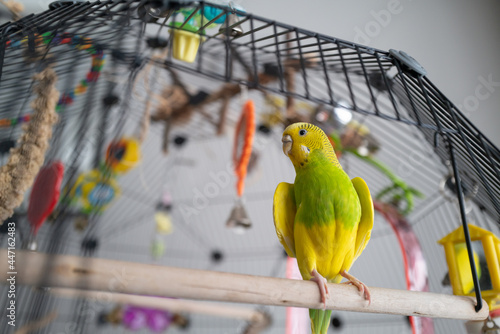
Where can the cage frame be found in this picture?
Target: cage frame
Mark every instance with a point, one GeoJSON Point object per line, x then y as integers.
{"type": "Point", "coordinates": [473, 158]}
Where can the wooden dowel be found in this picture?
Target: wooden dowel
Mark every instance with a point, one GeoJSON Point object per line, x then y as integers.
{"type": "Point", "coordinates": [166, 304]}
{"type": "Point", "coordinates": [143, 279]}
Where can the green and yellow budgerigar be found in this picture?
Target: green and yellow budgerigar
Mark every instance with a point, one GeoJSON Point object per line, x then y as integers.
{"type": "Point", "coordinates": [324, 219]}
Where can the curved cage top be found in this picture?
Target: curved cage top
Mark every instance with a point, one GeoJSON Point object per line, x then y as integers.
{"type": "Point", "coordinates": [328, 71]}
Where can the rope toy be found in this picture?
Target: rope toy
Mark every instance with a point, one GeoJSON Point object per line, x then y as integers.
{"type": "Point", "coordinates": [25, 160]}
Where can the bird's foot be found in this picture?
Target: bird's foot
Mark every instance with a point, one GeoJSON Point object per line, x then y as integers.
{"type": "Point", "coordinates": [360, 285]}
{"type": "Point", "coordinates": [323, 288]}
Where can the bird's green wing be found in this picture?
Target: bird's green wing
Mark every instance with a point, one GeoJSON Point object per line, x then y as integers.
{"type": "Point", "coordinates": [284, 210]}
{"type": "Point", "coordinates": [366, 221]}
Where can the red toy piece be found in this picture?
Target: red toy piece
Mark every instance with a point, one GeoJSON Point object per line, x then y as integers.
{"type": "Point", "coordinates": [45, 194]}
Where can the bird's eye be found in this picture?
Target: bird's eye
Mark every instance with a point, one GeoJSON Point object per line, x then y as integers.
{"type": "Point", "coordinates": [302, 132]}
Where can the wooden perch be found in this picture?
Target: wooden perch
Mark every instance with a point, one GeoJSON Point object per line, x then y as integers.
{"type": "Point", "coordinates": [166, 304]}
{"type": "Point", "coordinates": [135, 278]}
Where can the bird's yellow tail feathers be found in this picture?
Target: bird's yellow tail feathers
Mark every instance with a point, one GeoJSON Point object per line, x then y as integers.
{"type": "Point", "coordinates": [320, 320]}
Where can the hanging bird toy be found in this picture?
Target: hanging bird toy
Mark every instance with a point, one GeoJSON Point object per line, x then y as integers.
{"type": "Point", "coordinates": [242, 150]}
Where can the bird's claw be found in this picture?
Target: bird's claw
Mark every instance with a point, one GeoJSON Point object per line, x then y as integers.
{"type": "Point", "coordinates": [323, 287]}
{"type": "Point", "coordinates": [363, 289]}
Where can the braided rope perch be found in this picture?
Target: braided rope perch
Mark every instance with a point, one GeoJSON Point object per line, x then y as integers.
{"type": "Point", "coordinates": [25, 160]}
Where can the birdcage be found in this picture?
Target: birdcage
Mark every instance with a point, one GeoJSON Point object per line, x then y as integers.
{"type": "Point", "coordinates": [136, 165]}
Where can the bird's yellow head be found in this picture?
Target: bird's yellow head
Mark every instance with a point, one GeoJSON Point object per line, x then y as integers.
{"type": "Point", "coordinates": [300, 140]}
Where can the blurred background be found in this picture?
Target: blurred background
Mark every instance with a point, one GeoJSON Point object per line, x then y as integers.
{"type": "Point", "coordinates": [457, 42]}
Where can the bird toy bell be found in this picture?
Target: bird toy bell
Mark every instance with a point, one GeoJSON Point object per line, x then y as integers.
{"type": "Point", "coordinates": [231, 27]}
{"type": "Point", "coordinates": [238, 219]}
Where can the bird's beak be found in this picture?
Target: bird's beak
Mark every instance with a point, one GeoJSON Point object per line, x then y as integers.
{"type": "Point", "coordinates": [287, 144]}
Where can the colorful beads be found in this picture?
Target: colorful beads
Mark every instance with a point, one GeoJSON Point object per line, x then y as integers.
{"type": "Point", "coordinates": [6, 122]}
{"type": "Point", "coordinates": [66, 99]}
{"type": "Point", "coordinates": [81, 87]}
{"type": "Point", "coordinates": [77, 42]}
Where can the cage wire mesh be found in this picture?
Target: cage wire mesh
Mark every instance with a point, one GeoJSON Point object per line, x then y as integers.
{"type": "Point", "coordinates": [291, 74]}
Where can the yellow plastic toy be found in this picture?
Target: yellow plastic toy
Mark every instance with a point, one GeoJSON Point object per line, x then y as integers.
{"type": "Point", "coordinates": [486, 250]}
{"type": "Point", "coordinates": [123, 154]}
{"type": "Point", "coordinates": [94, 191]}
{"type": "Point", "coordinates": [462, 257]}
{"type": "Point", "coordinates": [185, 42]}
